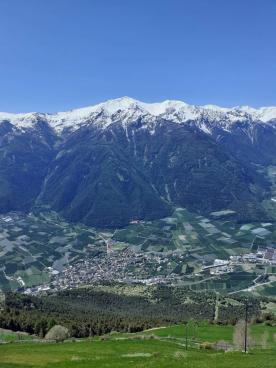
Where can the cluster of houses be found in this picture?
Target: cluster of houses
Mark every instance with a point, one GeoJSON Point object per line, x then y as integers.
{"type": "Point", "coordinates": [218, 267]}
{"type": "Point", "coordinates": [264, 255]}
{"type": "Point", "coordinates": [124, 266]}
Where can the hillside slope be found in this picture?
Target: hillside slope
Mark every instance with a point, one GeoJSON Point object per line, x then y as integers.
{"type": "Point", "coordinates": [111, 163]}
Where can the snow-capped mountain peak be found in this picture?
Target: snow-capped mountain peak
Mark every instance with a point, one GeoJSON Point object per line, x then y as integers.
{"type": "Point", "coordinates": [126, 109]}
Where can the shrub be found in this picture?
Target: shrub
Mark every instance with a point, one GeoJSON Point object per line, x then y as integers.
{"type": "Point", "coordinates": [259, 320]}
{"type": "Point", "coordinates": [57, 333]}
{"type": "Point", "coordinates": [206, 345]}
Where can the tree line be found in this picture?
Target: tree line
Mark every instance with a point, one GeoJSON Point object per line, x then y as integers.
{"type": "Point", "coordinates": [92, 311]}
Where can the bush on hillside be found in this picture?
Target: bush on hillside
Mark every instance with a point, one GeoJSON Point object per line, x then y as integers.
{"type": "Point", "coordinates": [57, 333]}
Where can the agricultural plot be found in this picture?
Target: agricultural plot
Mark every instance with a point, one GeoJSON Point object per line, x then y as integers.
{"type": "Point", "coordinates": [203, 238]}
{"type": "Point", "coordinates": [32, 246]}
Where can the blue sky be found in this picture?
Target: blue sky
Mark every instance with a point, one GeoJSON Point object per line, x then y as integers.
{"type": "Point", "coordinates": [61, 54]}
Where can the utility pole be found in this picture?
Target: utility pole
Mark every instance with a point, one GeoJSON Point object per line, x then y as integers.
{"type": "Point", "coordinates": [186, 335]}
{"type": "Point", "coordinates": [245, 327]}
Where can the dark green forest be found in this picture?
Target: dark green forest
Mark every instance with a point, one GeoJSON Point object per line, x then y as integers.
{"type": "Point", "coordinates": [99, 310]}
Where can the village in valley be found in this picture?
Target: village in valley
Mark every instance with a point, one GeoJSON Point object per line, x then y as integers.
{"type": "Point", "coordinates": [41, 252]}
{"type": "Point", "coordinates": [128, 267]}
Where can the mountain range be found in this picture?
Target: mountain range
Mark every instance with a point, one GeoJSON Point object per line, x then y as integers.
{"type": "Point", "coordinates": [123, 159]}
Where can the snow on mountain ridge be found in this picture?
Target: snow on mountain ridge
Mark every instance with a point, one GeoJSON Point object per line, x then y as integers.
{"type": "Point", "coordinates": [126, 109]}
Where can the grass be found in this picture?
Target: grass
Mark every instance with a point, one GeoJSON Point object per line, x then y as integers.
{"type": "Point", "coordinates": [131, 350]}
{"type": "Point", "coordinates": [126, 353]}
{"type": "Point", "coordinates": [258, 330]}
{"type": "Point", "coordinates": [10, 336]}
{"type": "Point", "coordinates": [202, 332]}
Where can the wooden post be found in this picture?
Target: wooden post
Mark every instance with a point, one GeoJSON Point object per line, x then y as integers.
{"type": "Point", "coordinates": [186, 335]}
{"type": "Point", "coordinates": [245, 327]}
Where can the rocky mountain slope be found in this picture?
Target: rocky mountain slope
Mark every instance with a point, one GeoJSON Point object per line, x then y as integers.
{"type": "Point", "coordinates": [121, 160]}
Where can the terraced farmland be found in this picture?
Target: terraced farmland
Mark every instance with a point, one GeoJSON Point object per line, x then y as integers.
{"type": "Point", "coordinates": [34, 246]}
{"type": "Point", "coordinates": [203, 238]}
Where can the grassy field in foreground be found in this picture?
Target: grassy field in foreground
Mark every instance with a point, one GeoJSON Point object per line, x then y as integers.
{"type": "Point", "coordinates": [126, 353]}
{"type": "Point", "coordinates": [130, 350]}
{"type": "Point", "coordinates": [205, 331]}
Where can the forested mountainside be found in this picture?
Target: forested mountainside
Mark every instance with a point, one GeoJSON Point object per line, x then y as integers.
{"type": "Point", "coordinates": [121, 160]}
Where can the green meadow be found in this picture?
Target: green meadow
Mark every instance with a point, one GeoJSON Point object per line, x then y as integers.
{"type": "Point", "coordinates": [160, 348]}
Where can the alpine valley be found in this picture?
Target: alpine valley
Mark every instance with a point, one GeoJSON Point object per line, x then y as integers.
{"type": "Point", "coordinates": [128, 190]}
